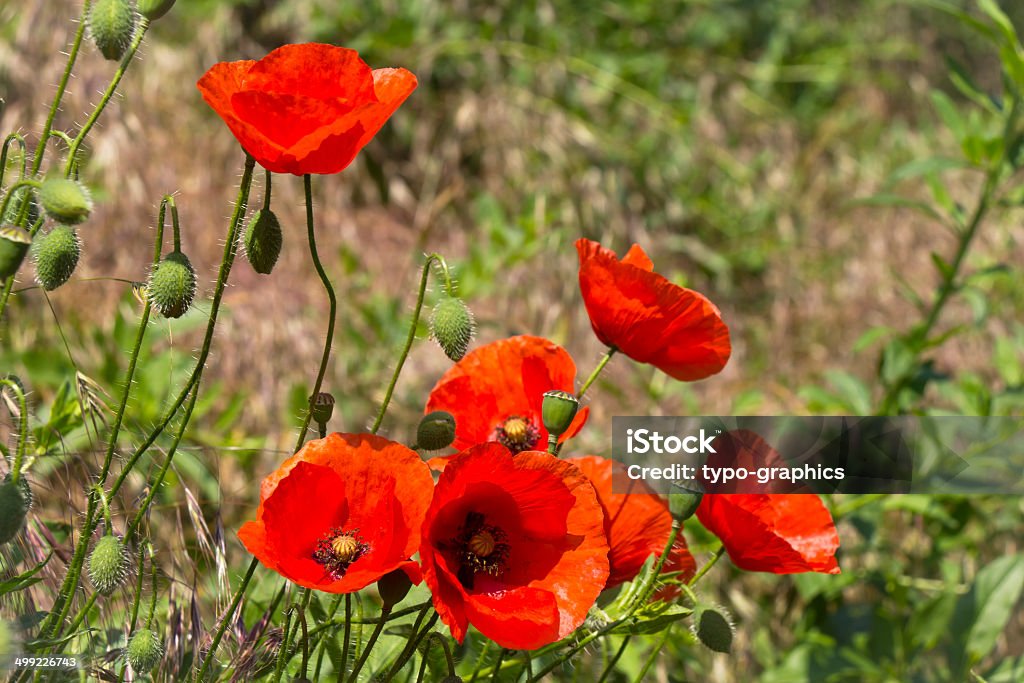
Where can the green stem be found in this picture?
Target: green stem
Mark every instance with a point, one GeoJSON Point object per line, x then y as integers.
{"type": "Point", "coordinates": [204, 664]}
{"type": "Point", "coordinates": [707, 566]}
{"type": "Point", "coordinates": [19, 453]}
{"type": "Point", "coordinates": [282, 651]}
{"type": "Point", "coordinates": [397, 614]}
{"type": "Point", "coordinates": [13, 137]}
{"type": "Point", "coordinates": [615, 659]}
{"type": "Point", "coordinates": [13, 190]}
{"type": "Point", "coordinates": [311, 233]}
{"type": "Point", "coordinates": [654, 656]}
{"type": "Point", "coordinates": [62, 86]}
{"type": "Point", "coordinates": [410, 645]}
{"type": "Point", "coordinates": [479, 661]}
{"type": "Point", "coordinates": [347, 642]}
{"type": "Point", "coordinates": [126, 60]}
{"type": "Point", "coordinates": [498, 662]}
{"type": "Point", "coordinates": [365, 654]}
{"type": "Point", "coordinates": [436, 638]}
{"type": "Point", "coordinates": [138, 590]}
{"type": "Point", "coordinates": [411, 337]}
{"type": "Point", "coordinates": [597, 371]}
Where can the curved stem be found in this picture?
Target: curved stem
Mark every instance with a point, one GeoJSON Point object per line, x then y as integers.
{"type": "Point", "coordinates": [329, 340]}
{"type": "Point", "coordinates": [411, 337]}
{"type": "Point", "coordinates": [597, 371]}
{"type": "Point", "coordinates": [654, 656]}
{"type": "Point", "coordinates": [13, 137]}
{"type": "Point", "coordinates": [24, 182]}
{"type": "Point", "coordinates": [410, 645]}
{"type": "Point", "coordinates": [707, 566]}
{"type": "Point", "coordinates": [19, 453]}
{"type": "Point", "coordinates": [365, 654]}
{"type": "Point", "coordinates": [126, 60]}
{"type": "Point", "coordinates": [62, 86]}
{"type": "Point", "coordinates": [615, 659]}
{"type": "Point", "coordinates": [204, 664]}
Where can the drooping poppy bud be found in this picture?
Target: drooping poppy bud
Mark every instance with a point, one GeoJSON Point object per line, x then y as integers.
{"type": "Point", "coordinates": [144, 651]}
{"type": "Point", "coordinates": [452, 327]}
{"type": "Point", "coordinates": [65, 200]}
{"type": "Point", "coordinates": [684, 499]}
{"type": "Point", "coordinates": [263, 240]}
{"type": "Point", "coordinates": [108, 564]}
{"type": "Point", "coordinates": [153, 9]}
{"type": "Point", "coordinates": [56, 255]}
{"type": "Point", "coordinates": [393, 587]}
{"type": "Point", "coordinates": [558, 410]}
{"type": "Point", "coordinates": [713, 628]}
{"type": "Point", "coordinates": [26, 490]}
{"type": "Point", "coordinates": [14, 244]}
{"type": "Point", "coordinates": [13, 510]}
{"type": "Point", "coordinates": [436, 430]}
{"type": "Point", "coordinates": [172, 285]}
{"type": "Point", "coordinates": [112, 25]}
{"type": "Point", "coordinates": [322, 408]}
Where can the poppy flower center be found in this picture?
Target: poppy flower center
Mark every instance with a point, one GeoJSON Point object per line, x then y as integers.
{"type": "Point", "coordinates": [338, 549]}
{"type": "Point", "coordinates": [480, 547]}
{"type": "Point", "coordinates": [517, 434]}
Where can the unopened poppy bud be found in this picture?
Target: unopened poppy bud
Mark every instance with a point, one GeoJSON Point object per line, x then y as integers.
{"type": "Point", "coordinates": [393, 587]}
{"type": "Point", "coordinates": [108, 564]}
{"type": "Point", "coordinates": [557, 411]}
{"type": "Point", "coordinates": [17, 203]}
{"type": "Point", "coordinates": [713, 628]}
{"type": "Point", "coordinates": [14, 244]}
{"type": "Point", "coordinates": [65, 200]}
{"type": "Point", "coordinates": [263, 240]}
{"type": "Point", "coordinates": [153, 9]}
{"type": "Point", "coordinates": [26, 490]}
{"type": "Point", "coordinates": [322, 408]}
{"type": "Point", "coordinates": [452, 327]}
{"type": "Point", "coordinates": [144, 651]}
{"type": "Point", "coordinates": [684, 499]}
{"type": "Point", "coordinates": [56, 255]}
{"type": "Point", "coordinates": [112, 25]}
{"type": "Point", "coordinates": [13, 510]}
{"type": "Point", "coordinates": [172, 285]}
{"type": "Point", "coordinates": [436, 431]}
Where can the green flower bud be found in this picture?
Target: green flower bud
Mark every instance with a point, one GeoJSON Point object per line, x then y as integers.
{"type": "Point", "coordinates": [56, 255]}
{"type": "Point", "coordinates": [263, 240]}
{"type": "Point", "coordinates": [393, 587]}
{"type": "Point", "coordinates": [14, 244]}
{"type": "Point", "coordinates": [65, 200]}
{"type": "Point", "coordinates": [684, 499]}
{"type": "Point", "coordinates": [713, 628]}
{"type": "Point", "coordinates": [16, 204]}
{"type": "Point", "coordinates": [153, 9]}
{"type": "Point", "coordinates": [452, 327]}
{"type": "Point", "coordinates": [557, 411]}
{"type": "Point", "coordinates": [112, 24]}
{"type": "Point", "coordinates": [13, 510]}
{"type": "Point", "coordinates": [323, 408]}
{"type": "Point", "coordinates": [172, 285]}
{"type": "Point", "coordinates": [436, 430]}
{"type": "Point", "coordinates": [26, 490]}
{"type": "Point", "coordinates": [108, 564]}
{"type": "Point", "coordinates": [144, 651]}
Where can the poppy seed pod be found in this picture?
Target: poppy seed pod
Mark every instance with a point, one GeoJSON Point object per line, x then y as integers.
{"type": "Point", "coordinates": [13, 509]}
{"type": "Point", "coordinates": [684, 499]}
{"type": "Point", "coordinates": [112, 25]}
{"type": "Point", "coordinates": [452, 327]}
{"type": "Point", "coordinates": [436, 430]}
{"type": "Point", "coordinates": [65, 200]}
{"type": "Point", "coordinates": [14, 244]}
{"type": "Point", "coordinates": [322, 408]}
{"type": "Point", "coordinates": [558, 410]}
{"type": "Point", "coordinates": [108, 564]}
{"type": "Point", "coordinates": [144, 651]}
{"type": "Point", "coordinates": [393, 587]}
{"type": "Point", "coordinates": [56, 255]}
{"type": "Point", "coordinates": [263, 240]}
{"type": "Point", "coordinates": [713, 628]}
{"type": "Point", "coordinates": [172, 285]}
{"type": "Point", "coordinates": [153, 9]}
{"type": "Point", "coordinates": [26, 490]}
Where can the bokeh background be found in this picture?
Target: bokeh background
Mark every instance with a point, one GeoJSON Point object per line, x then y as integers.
{"type": "Point", "coordinates": [734, 140]}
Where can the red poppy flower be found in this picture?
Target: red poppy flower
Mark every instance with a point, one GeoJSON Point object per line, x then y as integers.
{"type": "Point", "coordinates": [637, 524]}
{"type": "Point", "coordinates": [778, 533]}
{"type": "Point", "coordinates": [746, 449]}
{"type": "Point", "coordinates": [495, 393]}
{"type": "Point", "coordinates": [341, 513]}
{"type": "Point", "coordinates": [514, 546]}
{"type": "Point", "coordinates": [305, 108]}
{"type": "Point", "coordinates": [646, 317]}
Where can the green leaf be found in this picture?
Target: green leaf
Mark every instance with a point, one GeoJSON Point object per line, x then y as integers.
{"type": "Point", "coordinates": [963, 82]}
{"type": "Point", "coordinates": [996, 14]}
{"type": "Point", "coordinates": [949, 114]}
{"type": "Point", "coordinates": [656, 623]}
{"type": "Point", "coordinates": [926, 166]}
{"type": "Point", "coordinates": [23, 580]}
{"type": "Point", "coordinates": [898, 201]}
{"type": "Point", "coordinates": [992, 601]}
{"type": "Point", "coordinates": [873, 335]}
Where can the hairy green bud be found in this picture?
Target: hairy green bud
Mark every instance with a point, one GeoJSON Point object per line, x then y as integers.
{"type": "Point", "coordinates": [112, 24]}
{"type": "Point", "coordinates": [713, 628]}
{"type": "Point", "coordinates": [436, 430]}
{"type": "Point", "coordinates": [684, 499]}
{"type": "Point", "coordinates": [154, 9]}
{"type": "Point", "coordinates": [172, 285]}
{"type": "Point", "coordinates": [65, 200]}
{"type": "Point", "coordinates": [13, 510]}
{"type": "Point", "coordinates": [14, 244]}
{"type": "Point", "coordinates": [263, 240]}
{"type": "Point", "coordinates": [452, 327]}
{"type": "Point", "coordinates": [144, 651]}
{"type": "Point", "coordinates": [108, 564]}
{"type": "Point", "coordinates": [17, 203]}
{"type": "Point", "coordinates": [56, 255]}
